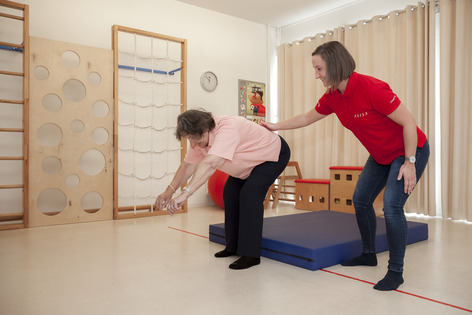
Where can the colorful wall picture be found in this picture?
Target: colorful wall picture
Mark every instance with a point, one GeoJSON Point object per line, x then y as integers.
{"type": "Point", "coordinates": [252, 100]}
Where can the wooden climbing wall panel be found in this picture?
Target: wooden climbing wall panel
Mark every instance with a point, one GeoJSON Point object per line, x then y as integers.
{"type": "Point", "coordinates": [71, 133]}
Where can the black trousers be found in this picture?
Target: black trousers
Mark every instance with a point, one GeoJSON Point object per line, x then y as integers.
{"type": "Point", "coordinates": [244, 205]}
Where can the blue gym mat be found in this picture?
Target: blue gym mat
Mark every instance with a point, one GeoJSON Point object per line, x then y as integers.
{"type": "Point", "coordinates": [318, 239]}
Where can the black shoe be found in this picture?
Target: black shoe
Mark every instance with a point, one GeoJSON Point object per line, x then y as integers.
{"type": "Point", "coordinates": [245, 262]}
{"type": "Point", "coordinates": [224, 253]}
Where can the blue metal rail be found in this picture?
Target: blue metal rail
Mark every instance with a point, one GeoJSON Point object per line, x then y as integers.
{"type": "Point", "coordinates": [148, 70]}
{"type": "Point", "coordinates": [11, 48]}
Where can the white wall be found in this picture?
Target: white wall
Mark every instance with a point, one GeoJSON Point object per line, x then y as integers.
{"type": "Point", "coordinates": [230, 47]}
{"type": "Point", "coordinates": [349, 14]}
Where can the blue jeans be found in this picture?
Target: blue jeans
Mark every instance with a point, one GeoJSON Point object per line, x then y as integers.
{"type": "Point", "coordinates": [374, 177]}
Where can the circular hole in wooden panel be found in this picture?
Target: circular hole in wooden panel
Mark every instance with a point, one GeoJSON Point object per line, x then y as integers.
{"type": "Point", "coordinates": [92, 162]}
{"type": "Point", "coordinates": [77, 126]}
{"type": "Point", "coordinates": [100, 108]}
{"type": "Point", "coordinates": [74, 90]}
{"type": "Point", "coordinates": [51, 201]}
{"type": "Point", "coordinates": [94, 78]}
{"type": "Point", "coordinates": [92, 202]}
{"type": "Point", "coordinates": [70, 59]}
{"type": "Point", "coordinates": [49, 135]}
{"type": "Point", "coordinates": [100, 135]}
{"type": "Point", "coordinates": [51, 102]}
{"type": "Point", "coordinates": [51, 165]}
{"type": "Point", "coordinates": [41, 73]}
{"type": "Point", "coordinates": [72, 180]}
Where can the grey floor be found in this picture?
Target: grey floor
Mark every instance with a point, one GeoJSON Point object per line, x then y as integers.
{"type": "Point", "coordinates": [165, 265]}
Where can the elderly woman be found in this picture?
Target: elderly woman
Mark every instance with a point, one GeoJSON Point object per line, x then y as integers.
{"type": "Point", "coordinates": [252, 156]}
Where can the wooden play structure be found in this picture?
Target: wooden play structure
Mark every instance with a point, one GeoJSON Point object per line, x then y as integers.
{"type": "Point", "coordinates": [344, 180]}
{"type": "Point", "coordinates": [333, 194]}
{"type": "Point", "coordinates": [312, 194]}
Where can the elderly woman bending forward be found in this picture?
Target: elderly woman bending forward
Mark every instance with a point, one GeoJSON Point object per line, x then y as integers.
{"type": "Point", "coordinates": [252, 156]}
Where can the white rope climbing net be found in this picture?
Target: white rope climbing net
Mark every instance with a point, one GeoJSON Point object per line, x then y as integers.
{"type": "Point", "coordinates": [149, 101]}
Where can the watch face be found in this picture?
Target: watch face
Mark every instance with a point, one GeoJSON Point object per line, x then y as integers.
{"type": "Point", "coordinates": [412, 159]}
{"type": "Point", "coordinates": [208, 81]}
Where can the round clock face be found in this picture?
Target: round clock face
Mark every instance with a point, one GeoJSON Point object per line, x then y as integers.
{"type": "Point", "coordinates": [208, 81]}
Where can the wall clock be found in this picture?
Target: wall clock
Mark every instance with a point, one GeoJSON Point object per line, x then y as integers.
{"type": "Point", "coordinates": [208, 81]}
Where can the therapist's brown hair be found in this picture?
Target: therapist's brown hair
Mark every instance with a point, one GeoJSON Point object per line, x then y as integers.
{"type": "Point", "coordinates": [339, 62]}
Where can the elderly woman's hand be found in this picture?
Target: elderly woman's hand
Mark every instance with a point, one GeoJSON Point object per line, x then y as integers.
{"type": "Point", "coordinates": [176, 204]}
{"type": "Point", "coordinates": [163, 199]}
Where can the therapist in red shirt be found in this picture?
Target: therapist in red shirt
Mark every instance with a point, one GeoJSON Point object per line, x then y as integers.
{"type": "Point", "coordinates": [399, 150]}
{"type": "Point", "coordinates": [251, 155]}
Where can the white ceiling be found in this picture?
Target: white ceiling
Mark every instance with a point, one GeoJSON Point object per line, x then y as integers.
{"type": "Point", "coordinates": [278, 13]}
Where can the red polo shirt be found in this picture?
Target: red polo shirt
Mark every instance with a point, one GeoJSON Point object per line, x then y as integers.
{"type": "Point", "coordinates": [363, 109]}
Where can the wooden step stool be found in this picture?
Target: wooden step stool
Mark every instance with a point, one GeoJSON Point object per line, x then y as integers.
{"type": "Point", "coordinates": [312, 194]}
{"type": "Point", "coordinates": [284, 186]}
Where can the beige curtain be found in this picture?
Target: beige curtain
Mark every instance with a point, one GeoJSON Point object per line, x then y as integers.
{"type": "Point", "coordinates": [456, 112]}
{"type": "Point", "coordinates": [394, 48]}
{"type": "Point", "coordinates": [298, 93]}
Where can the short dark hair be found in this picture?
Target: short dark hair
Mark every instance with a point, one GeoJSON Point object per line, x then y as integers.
{"type": "Point", "coordinates": [194, 122]}
{"type": "Point", "coordinates": [339, 62]}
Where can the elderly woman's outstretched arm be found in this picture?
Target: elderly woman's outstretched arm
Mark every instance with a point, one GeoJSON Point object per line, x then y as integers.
{"type": "Point", "coordinates": [203, 172]}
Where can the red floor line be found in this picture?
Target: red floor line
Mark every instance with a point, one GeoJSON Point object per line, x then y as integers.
{"type": "Point", "coordinates": [188, 232]}
{"type": "Point", "coordinates": [404, 292]}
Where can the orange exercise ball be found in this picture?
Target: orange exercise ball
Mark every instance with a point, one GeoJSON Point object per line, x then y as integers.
{"type": "Point", "coordinates": [216, 183]}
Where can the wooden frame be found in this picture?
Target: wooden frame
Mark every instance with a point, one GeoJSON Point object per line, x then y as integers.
{"type": "Point", "coordinates": [24, 47]}
{"type": "Point", "coordinates": [126, 212]}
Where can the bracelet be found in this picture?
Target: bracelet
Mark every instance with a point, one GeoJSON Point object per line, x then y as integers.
{"type": "Point", "coordinates": [188, 190]}
{"type": "Point", "coordinates": [173, 189]}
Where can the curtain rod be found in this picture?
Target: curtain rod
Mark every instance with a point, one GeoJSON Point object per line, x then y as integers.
{"type": "Point", "coordinates": [351, 26]}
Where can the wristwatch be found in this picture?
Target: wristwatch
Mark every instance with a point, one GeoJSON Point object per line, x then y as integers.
{"type": "Point", "coordinates": [411, 159]}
